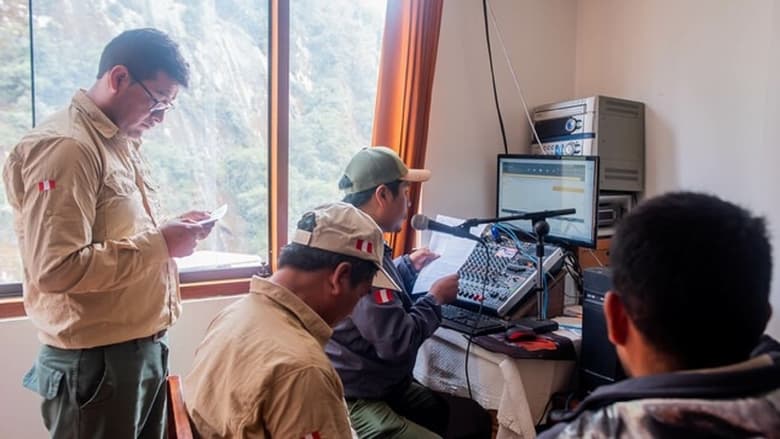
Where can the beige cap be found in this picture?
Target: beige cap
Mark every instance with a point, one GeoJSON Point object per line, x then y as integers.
{"type": "Point", "coordinates": [377, 165]}
{"type": "Point", "coordinates": [342, 228]}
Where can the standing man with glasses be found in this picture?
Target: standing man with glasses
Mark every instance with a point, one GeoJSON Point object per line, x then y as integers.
{"type": "Point", "coordinates": [99, 281]}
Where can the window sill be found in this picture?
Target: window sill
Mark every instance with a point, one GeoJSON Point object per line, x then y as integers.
{"type": "Point", "coordinates": [199, 277]}
{"type": "Point", "coordinates": [11, 307]}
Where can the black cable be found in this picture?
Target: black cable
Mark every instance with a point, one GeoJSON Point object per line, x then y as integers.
{"type": "Point", "coordinates": [571, 391]}
{"type": "Point", "coordinates": [573, 269]}
{"type": "Point", "coordinates": [544, 412]}
{"type": "Point", "coordinates": [576, 272]}
{"type": "Point", "coordinates": [569, 394]}
{"type": "Point", "coordinates": [468, 349]}
{"type": "Point", "coordinates": [493, 77]}
{"type": "Point", "coordinates": [475, 325]}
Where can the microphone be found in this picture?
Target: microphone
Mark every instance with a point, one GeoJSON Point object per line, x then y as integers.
{"type": "Point", "coordinates": [422, 222]}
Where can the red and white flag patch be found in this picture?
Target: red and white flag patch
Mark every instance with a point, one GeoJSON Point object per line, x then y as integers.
{"type": "Point", "coordinates": [383, 296]}
{"type": "Point", "coordinates": [364, 246]}
{"type": "Point", "coordinates": [45, 185]}
{"type": "Point", "coordinates": [312, 435]}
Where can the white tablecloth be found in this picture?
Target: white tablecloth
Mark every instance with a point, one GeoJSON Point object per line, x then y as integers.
{"type": "Point", "coordinates": [517, 388]}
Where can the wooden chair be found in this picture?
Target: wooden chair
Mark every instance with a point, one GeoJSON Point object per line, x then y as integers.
{"type": "Point", "coordinates": [178, 420]}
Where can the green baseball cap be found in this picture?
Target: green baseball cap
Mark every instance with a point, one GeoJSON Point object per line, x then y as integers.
{"type": "Point", "coordinates": [376, 165]}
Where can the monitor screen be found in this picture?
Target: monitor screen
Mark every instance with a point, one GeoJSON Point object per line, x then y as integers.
{"type": "Point", "coordinates": [531, 183]}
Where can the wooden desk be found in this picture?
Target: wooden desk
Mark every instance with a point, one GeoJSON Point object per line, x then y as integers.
{"type": "Point", "coordinates": [598, 257]}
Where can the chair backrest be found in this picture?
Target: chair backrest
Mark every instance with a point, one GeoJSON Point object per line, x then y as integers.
{"type": "Point", "coordinates": [178, 420]}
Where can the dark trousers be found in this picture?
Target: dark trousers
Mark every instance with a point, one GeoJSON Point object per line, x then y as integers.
{"type": "Point", "coordinates": [468, 420]}
{"type": "Point", "coordinates": [116, 391]}
{"type": "Point", "coordinates": [418, 412]}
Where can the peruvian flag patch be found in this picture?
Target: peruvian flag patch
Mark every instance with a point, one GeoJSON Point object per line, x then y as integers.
{"type": "Point", "coordinates": [364, 246]}
{"type": "Point", "coordinates": [313, 435]}
{"type": "Point", "coordinates": [383, 296]}
{"type": "Point", "coordinates": [45, 185]}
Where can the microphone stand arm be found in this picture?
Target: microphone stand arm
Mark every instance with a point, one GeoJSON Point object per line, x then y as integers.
{"type": "Point", "coordinates": [534, 217]}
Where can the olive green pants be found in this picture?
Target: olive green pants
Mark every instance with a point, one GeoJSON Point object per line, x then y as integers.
{"type": "Point", "coordinates": [416, 413]}
{"type": "Point", "coordinates": [116, 391]}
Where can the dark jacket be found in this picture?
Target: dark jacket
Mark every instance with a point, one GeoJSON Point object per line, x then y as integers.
{"type": "Point", "coordinates": [737, 401]}
{"type": "Point", "coordinates": [375, 348]}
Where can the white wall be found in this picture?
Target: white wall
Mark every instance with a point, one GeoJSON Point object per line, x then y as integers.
{"type": "Point", "coordinates": [708, 73]}
{"type": "Point", "coordinates": [20, 408]}
{"type": "Point", "coordinates": [464, 135]}
{"type": "Point", "coordinates": [708, 70]}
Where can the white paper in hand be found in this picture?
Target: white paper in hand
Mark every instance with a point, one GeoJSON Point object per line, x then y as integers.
{"type": "Point", "coordinates": [215, 215]}
{"type": "Point", "coordinates": [453, 252]}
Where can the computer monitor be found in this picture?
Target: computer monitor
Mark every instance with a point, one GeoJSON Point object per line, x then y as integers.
{"type": "Point", "coordinates": [530, 183]}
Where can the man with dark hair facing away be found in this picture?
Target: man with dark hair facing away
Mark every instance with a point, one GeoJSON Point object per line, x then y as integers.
{"type": "Point", "coordinates": [100, 283]}
{"type": "Point", "coordinates": [689, 305]}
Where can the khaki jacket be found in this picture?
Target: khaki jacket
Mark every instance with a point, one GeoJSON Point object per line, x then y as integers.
{"type": "Point", "coordinates": [261, 372]}
{"type": "Point", "coordinates": [96, 267]}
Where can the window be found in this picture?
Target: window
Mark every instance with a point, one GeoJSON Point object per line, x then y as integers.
{"type": "Point", "coordinates": [213, 148]}
{"type": "Point", "coordinates": [15, 116]}
{"type": "Point", "coordinates": [334, 60]}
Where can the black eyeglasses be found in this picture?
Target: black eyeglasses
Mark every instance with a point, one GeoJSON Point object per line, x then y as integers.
{"type": "Point", "coordinates": [157, 105]}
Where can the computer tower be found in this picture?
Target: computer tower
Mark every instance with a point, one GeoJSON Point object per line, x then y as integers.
{"type": "Point", "coordinates": [599, 364]}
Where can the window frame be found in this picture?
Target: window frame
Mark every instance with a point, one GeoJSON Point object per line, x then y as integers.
{"type": "Point", "coordinates": [213, 282]}
{"type": "Point", "coordinates": [10, 289]}
{"type": "Point", "coordinates": [231, 280]}
{"type": "Point", "coordinates": [278, 125]}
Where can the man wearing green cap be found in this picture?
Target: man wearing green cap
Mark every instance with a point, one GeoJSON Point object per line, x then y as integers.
{"type": "Point", "coordinates": [375, 348]}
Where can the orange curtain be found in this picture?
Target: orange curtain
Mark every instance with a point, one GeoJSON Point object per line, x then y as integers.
{"type": "Point", "coordinates": [403, 98]}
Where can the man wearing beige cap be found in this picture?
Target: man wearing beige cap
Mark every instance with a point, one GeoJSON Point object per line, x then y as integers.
{"type": "Point", "coordinates": [261, 370]}
{"type": "Point", "coordinates": [374, 350]}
